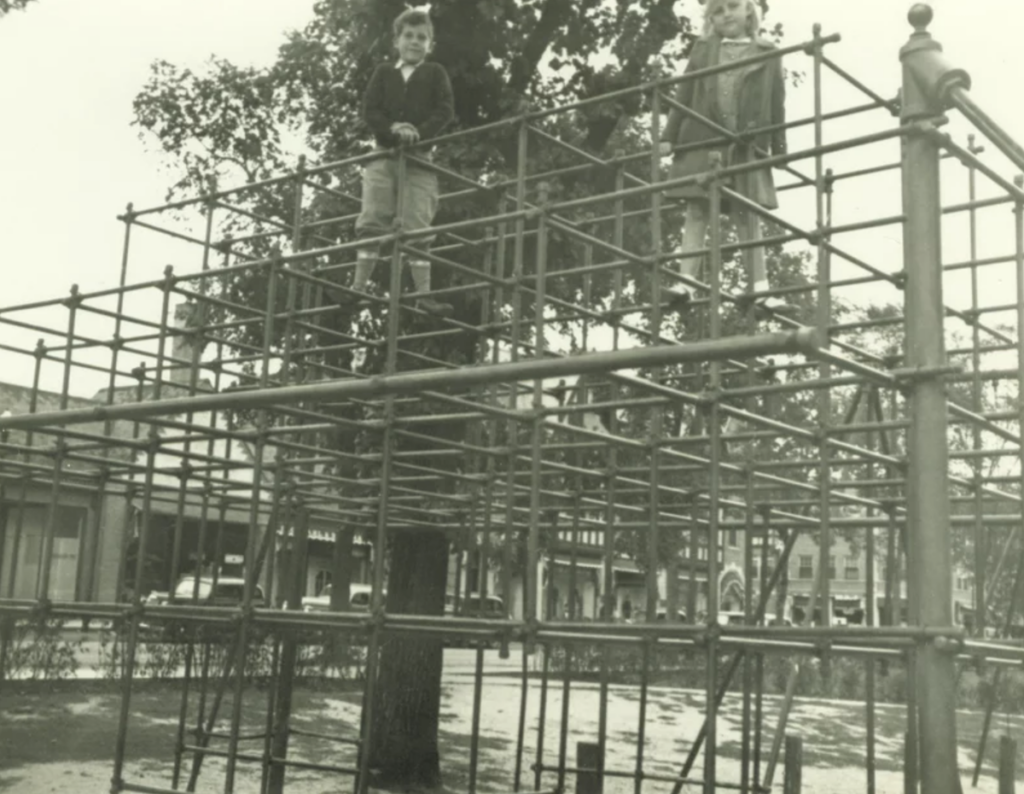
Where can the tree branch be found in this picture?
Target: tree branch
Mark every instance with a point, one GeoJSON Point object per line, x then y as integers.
{"type": "Point", "coordinates": [658, 30]}
{"type": "Point", "coordinates": [555, 14]}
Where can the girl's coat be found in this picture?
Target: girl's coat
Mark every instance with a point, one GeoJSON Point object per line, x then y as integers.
{"type": "Point", "coordinates": [761, 103]}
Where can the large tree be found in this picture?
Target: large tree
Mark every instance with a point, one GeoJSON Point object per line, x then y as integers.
{"type": "Point", "coordinates": [227, 124]}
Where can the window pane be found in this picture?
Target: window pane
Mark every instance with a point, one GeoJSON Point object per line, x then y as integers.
{"type": "Point", "coordinates": [24, 566]}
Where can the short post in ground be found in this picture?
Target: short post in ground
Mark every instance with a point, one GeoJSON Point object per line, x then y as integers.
{"type": "Point", "coordinates": [590, 764]}
{"type": "Point", "coordinates": [793, 780]}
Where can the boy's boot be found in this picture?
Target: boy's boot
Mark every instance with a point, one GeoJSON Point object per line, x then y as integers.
{"type": "Point", "coordinates": [420, 271]}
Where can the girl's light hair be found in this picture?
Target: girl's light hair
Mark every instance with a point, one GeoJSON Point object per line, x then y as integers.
{"type": "Point", "coordinates": [753, 16]}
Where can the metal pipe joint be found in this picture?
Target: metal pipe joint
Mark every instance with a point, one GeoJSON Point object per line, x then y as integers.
{"type": "Point", "coordinates": [932, 78]}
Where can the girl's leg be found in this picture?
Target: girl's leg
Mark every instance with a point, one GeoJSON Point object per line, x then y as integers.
{"type": "Point", "coordinates": [749, 230]}
{"type": "Point", "coordinates": [694, 231]}
{"type": "Point", "coordinates": [695, 228]}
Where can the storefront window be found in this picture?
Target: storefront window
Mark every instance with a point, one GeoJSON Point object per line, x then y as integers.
{"type": "Point", "coordinates": [23, 550]}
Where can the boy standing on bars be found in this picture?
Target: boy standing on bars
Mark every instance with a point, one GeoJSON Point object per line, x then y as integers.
{"type": "Point", "coordinates": [405, 102]}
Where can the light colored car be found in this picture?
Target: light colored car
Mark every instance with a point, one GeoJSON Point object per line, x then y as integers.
{"type": "Point", "coordinates": [226, 592]}
{"type": "Point", "coordinates": [358, 598]}
{"type": "Point", "coordinates": [736, 618]}
{"type": "Point", "coordinates": [471, 607]}
{"type": "Point", "coordinates": [156, 598]}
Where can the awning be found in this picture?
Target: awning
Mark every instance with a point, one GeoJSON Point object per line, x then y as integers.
{"type": "Point", "coordinates": [588, 563]}
{"type": "Point", "coordinates": [629, 578]}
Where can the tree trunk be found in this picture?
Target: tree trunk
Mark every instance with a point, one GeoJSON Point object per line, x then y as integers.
{"type": "Point", "coordinates": [407, 699]}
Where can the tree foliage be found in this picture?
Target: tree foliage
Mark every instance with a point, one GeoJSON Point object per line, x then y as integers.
{"type": "Point", "coordinates": [498, 53]}
{"type": "Point", "coordinates": [6, 6]}
{"type": "Point", "coordinates": [229, 124]}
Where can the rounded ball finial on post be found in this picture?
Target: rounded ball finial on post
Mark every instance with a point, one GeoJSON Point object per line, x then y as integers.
{"type": "Point", "coordinates": [920, 17]}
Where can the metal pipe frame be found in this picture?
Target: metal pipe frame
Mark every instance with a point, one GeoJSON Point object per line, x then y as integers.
{"type": "Point", "coordinates": [248, 432]}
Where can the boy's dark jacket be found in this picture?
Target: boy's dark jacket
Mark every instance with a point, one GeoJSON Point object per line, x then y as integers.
{"type": "Point", "coordinates": [425, 101]}
{"type": "Point", "coordinates": [762, 95]}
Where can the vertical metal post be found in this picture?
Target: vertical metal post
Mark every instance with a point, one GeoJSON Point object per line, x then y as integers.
{"type": "Point", "coordinates": [870, 600]}
{"type": "Point", "coordinates": [870, 664]}
{"type": "Point", "coordinates": [7, 626]}
{"type": "Point", "coordinates": [1014, 590]}
{"type": "Point", "coordinates": [823, 320]}
{"type": "Point", "coordinates": [714, 460]}
{"type": "Point", "coordinates": [764, 591]}
{"type": "Point", "coordinates": [611, 477]}
{"type": "Point", "coordinates": [252, 561]}
{"type": "Point", "coordinates": [542, 712]}
{"type": "Point", "coordinates": [980, 533]}
{"type": "Point", "coordinates": [282, 699]}
{"type": "Point", "coordinates": [529, 569]}
{"type": "Point", "coordinates": [646, 649]}
{"type": "Point", "coordinates": [747, 728]}
{"type": "Point", "coordinates": [380, 540]}
{"type": "Point", "coordinates": [120, 743]}
{"type": "Point", "coordinates": [573, 616]}
{"type": "Point", "coordinates": [892, 567]}
{"type": "Point", "coordinates": [928, 525]}
{"type": "Point", "coordinates": [129, 495]}
{"type": "Point", "coordinates": [653, 537]}
{"type": "Point", "coordinates": [654, 440]}
{"type": "Point", "coordinates": [19, 525]}
{"type": "Point", "coordinates": [536, 460]}
{"type": "Point", "coordinates": [194, 334]}
{"type": "Point", "coordinates": [279, 696]}
{"type": "Point", "coordinates": [1009, 749]}
{"type": "Point", "coordinates": [46, 553]}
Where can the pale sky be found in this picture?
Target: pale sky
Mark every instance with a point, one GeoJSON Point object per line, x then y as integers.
{"type": "Point", "coordinates": [70, 161]}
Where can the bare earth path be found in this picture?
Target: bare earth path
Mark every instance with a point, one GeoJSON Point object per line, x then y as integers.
{"type": "Point", "coordinates": [61, 742]}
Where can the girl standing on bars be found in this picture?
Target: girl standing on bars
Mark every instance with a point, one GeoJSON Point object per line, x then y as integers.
{"type": "Point", "coordinates": [740, 100]}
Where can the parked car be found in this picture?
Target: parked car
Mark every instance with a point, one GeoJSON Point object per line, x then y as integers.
{"type": "Point", "coordinates": [471, 607]}
{"type": "Point", "coordinates": [737, 618]}
{"type": "Point", "coordinates": [358, 598]}
{"type": "Point", "coordinates": [226, 591]}
{"type": "Point", "coordinates": [156, 598]}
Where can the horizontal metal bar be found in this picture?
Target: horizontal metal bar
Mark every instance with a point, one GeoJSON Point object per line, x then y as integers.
{"type": "Point", "coordinates": [804, 340]}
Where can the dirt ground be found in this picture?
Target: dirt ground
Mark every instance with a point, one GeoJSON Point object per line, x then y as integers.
{"type": "Point", "coordinates": [62, 741]}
